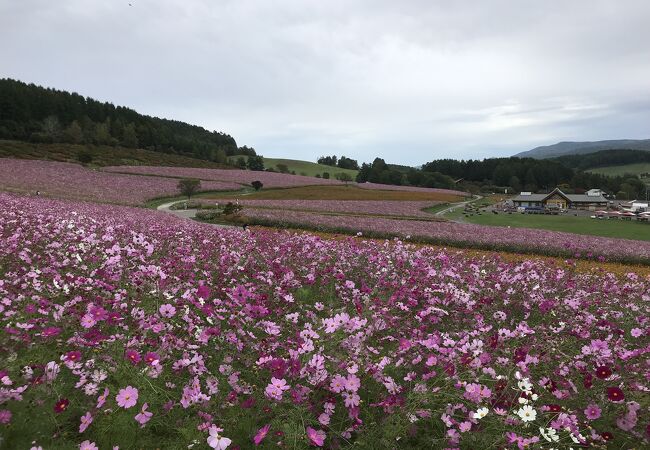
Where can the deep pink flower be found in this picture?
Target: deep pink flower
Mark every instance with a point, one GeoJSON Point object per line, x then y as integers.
{"type": "Point", "coordinates": [151, 358]}
{"type": "Point", "coordinates": [603, 372]}
{"type": "Point", "coordinates": [127, 397]}
{"type": "Point", "coordinates": [615, 394]}
{"type": "Point", "coordinates": [316, 437]}
{"type": "Point", "coordinates": [73, 356]}
{"type": "Point", "coordinates": [61, 405]}
{"type": "Point", "coordinates": [133, 356]}
{"type": "Point", "coordinates": [261, 434]}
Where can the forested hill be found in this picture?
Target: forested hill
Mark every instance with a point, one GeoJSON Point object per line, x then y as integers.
{"type": "Point", "coordinates": [37, 114]}
{"type": "Point", "coordinates": [604, 158]}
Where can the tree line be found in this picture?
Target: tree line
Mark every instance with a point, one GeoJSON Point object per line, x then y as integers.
{"type": "Point", "coordinates": [342, 163]}
{"type": "Point", "coordinates": [537, 175]}
{"type": "Point", "coordinates": [604, 158]}
{"type": "Point", "coordinates": [37, 114]}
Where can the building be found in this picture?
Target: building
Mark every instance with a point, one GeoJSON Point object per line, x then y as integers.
{"type": "Point", "coordinates": [557, 199]}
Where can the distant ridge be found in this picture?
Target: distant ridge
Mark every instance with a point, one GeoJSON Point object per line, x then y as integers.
{"type": "Point", "coordinates": [578, 148]}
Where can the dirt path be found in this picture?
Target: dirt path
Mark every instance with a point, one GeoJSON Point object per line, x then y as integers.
{"type": "Point", "coordinates": [187, 214]}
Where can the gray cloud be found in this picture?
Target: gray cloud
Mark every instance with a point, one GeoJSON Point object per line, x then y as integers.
{"type": "Point", "coordinates": [409, 81]}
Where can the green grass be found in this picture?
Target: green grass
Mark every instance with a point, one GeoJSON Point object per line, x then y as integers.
{"type": "Point", "coordinates": [634, 169]}
{"type": "Point", "coordinates": [103, 155]}
{"type": "Point", "coordinates": [579, 225]}
{"type": "Point", "coordinates": [307, 168]}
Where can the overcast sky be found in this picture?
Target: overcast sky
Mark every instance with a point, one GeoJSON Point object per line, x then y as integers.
{"type": "Point", "coordinates": [407, 80]}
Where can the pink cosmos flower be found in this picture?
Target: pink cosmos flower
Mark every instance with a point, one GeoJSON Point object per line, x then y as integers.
{"type": "Point", "coordinates": [143, 416]}
{"type": "Point", "coordinates": [352, 383]}
{"type": "Point", "coordinates": [316, 437]}
{"type": "Point", "coordinates": [87, 321]}
{"type": "Point", "coordinates": [127, 397]}
{"type": "Point", "coordinates": [216, 441]}
{"type": "Point", "coordinates": [87, 445]}
{"type": "Point", "coordinates": [592, 412]}
{"type": "Point", "coordinates": [465, 427]}
{"type": "Point", "coordinates": [338, 383]}
{"type": "Point", "coordinates": [276, 387]}
{"type": "Point", "coordinates": [261, 434]}
{"type": "Point", "coordinates": [636, 332]}
{"type": "Point", "coordinates": [167, 310]}
{"type": "Point", "coordinates": [102, 398]}
{"type": "Point", "coordinates": [5, 416]}
{"type": "Point", "coordinates": [86, 420]}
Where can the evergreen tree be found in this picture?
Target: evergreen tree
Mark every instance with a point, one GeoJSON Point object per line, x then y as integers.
{"type": "Point", "coordinates": [129, 136]}
{"type": "Point", "coordinates": [73, 134]}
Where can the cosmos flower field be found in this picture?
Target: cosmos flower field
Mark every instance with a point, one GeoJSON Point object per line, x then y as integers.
{"type": "Point", "coordinates": [526, 240]}
{"type": "Point", "coordinates": [67, 180]}
{"type": "Point", "coordinates": [129, 328]}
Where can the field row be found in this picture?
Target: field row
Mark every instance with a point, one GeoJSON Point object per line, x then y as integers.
{"type": "Point", "coordinates": [461, 234]}
{"type": "Point", "coordinates": [132, 328]}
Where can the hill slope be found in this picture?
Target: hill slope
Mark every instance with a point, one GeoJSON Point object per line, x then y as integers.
{"type": "Point", "coordinates": [307, 168]}
{"type": "Point", "coordinates": [576, 148]}
{"type": "Point", "coordinates": [102, 155]}
{"type": "Point", "coordinates": [38, 114]}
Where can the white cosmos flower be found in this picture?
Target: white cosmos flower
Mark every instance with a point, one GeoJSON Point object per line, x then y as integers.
{"type": "Point", "coordinates": [549, 434]}
{"type": "Point", "coordinates": [525, 385]}
{"type": "Point", "coordinates": [527, 413]}
{"type": "Point", "coordinates": [480, 413]}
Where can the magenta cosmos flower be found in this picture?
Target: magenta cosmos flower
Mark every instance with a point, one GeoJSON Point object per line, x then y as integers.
{"type": "Point", "coordinates": [261, 434]}
{"type": "Point", "coordinates": [615, 394]}
{"type": "Point", "coordinates": [127, 397]}
{"type": "Point", "coordinates": [316, 437]}
{"type": "Point", "coordinates": [133, 356]}
{"type": "Point", "coordinates": [592, 412]}
{"type": "Point", "coordinates": [152, 358]}
{"type": "Point", "coordinates": [61, 405]}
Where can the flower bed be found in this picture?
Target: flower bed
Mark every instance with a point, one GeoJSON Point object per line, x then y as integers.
{"type": "Point", "coordinates": [269, 179]}
{"type": "Point", "coordinates": [478, 236]}
{"type": "Point", "coordinates": [371, 207]}
{"type": "Point", "coordinates": [389, 187]}
{"type": "Point", "coordinates": [131, 328]}
{"type": "Point", "coordinates": [66, 180]}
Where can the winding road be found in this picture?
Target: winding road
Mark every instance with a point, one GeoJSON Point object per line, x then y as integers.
{"type": "Point", "coordinates": [187, 214]}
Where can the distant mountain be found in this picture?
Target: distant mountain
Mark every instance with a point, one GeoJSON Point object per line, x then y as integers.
{"type": "Point", "coordinates": [578, 148]}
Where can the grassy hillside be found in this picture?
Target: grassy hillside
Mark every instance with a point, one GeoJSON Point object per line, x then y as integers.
{"type": "Point", "coordinates": [307, 168]}
{"type": "Point", "coordinates": [103, 155]}
{"type": "Point", "coordinates": [570, 224]}
{"type": "Point", "coordinates": [635, 169]}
